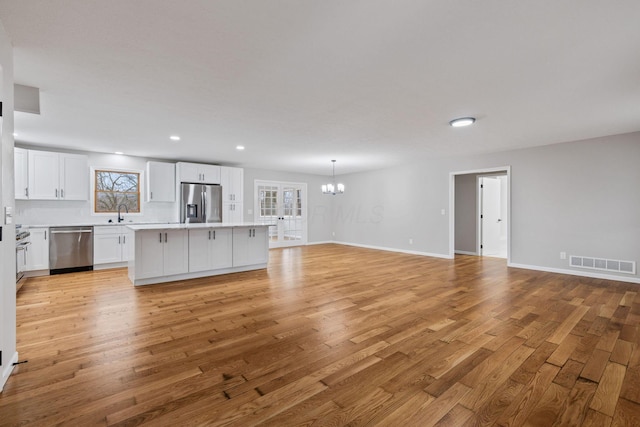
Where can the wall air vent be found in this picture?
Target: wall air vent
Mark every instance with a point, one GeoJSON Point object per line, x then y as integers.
{"type": "Point", "coordinates": [614, 265]}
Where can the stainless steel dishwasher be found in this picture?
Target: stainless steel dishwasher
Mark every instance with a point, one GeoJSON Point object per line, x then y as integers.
{"type": "Point", "coordinates": [70, 249]}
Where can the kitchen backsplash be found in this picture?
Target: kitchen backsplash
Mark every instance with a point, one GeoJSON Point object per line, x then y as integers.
{"type": "Point", "coordinates": [44, 212]}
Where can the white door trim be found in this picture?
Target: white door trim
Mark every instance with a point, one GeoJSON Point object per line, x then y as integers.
{"type": "Point", "coordinates": [452, 205]}
{"type": "Point", "coordinates": [256, 210]}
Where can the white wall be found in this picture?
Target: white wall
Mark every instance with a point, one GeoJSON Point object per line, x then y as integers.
{"type": "Point", "coordinates": [7, 246]}
{"type": "Point", "coordinates": [578, 197]}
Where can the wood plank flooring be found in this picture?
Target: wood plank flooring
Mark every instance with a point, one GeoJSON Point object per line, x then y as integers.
{"type": "Point", "coordinates": [329, 335]}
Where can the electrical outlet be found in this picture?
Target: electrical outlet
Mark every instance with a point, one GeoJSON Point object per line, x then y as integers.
{"type": "Point", "coordinates": [563, 255]}
{"type": "Point", "coordinates": [411, 241]}
{"type": "Point", "coordinates": [333, 233]}
{"type": "Point", "coordinates": [443, 212]}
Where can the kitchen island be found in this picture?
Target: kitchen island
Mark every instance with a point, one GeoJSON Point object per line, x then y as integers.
{"type": "Point", "coordinates": [169, 252]}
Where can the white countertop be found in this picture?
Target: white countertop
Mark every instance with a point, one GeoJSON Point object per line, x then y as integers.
{"type": "Point", "coordinates": [140, 227]}
{"type": "Point", "coordinates": [154, 225]}
{"type": "Point", "coordinates": [94, 224]}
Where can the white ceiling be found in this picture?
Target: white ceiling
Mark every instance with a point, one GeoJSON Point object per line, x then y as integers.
{"type": "Point", "coordinates": [370, 83]}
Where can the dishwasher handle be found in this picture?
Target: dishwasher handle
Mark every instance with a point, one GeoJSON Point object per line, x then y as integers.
{"type": "Point", "coordinates": [70, 231]}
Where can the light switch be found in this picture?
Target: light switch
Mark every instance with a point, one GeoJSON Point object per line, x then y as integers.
{"type": "Point", "coordinates": [8, 214]}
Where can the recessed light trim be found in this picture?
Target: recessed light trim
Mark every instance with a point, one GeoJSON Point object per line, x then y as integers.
{"type": "Point", "coordinates": [118, 153]}
{"type": "Point", "coordinates": [174, 138]}
{"type": "Point", "coordinates": [462, 121]}
{"type": "Point", "coordinates": [239, 147]}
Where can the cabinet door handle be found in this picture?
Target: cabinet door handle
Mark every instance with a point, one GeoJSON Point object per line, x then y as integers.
{"type": "Point", "coordinates": [119, 240]}
{"type": "Point", "coordinates": [214, 234]}
{"type": "Point", "coordinates": [160, 237]}
{"type": "Point", "coordinates": [56, 193]}
{"type": "Point", "coordinates": [165, 237]}
{"type": "Point", "coordinates": [26, 192]}
{"type": "Point", "coordinates": [249, 232]}
{"type": "Point", "coordinates": [209, 234]}
{"type": "Point", "coordinates": [124, 239]}
{"type": "Point", "coordinates": [62, 193]}
{"type": "Point", "coordinates": [45, 234]}
{"type": "Point", "coordinates": [151, 195]}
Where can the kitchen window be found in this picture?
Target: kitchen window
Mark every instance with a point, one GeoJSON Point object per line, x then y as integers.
{"type": "Point", "coordinates": [114, 188]}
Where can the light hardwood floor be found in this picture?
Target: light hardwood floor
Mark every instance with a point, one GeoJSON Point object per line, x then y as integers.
{"type": "Point", "coordinates": [329, 335]}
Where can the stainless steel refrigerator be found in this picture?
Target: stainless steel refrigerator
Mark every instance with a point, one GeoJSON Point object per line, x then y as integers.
{"type": "Point", "coordinates": [200, 203]}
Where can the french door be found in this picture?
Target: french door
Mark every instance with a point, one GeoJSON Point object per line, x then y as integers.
{"type": "Point", "coordinates": [283, 204]}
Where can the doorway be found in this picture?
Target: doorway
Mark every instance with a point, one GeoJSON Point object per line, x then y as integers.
{"type": "Point", "coordinates": [492, 220]}
{"type": "Point", "coordinates": [283, 204]}
{"type": "Point", "coordinates": [465, 229]}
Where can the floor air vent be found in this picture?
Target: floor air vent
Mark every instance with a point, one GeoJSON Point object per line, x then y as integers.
{"type": "Point", "coordinates": [603, 264]}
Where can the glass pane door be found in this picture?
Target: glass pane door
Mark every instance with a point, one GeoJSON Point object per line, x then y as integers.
{"type": "Point", "coordinates": [284, 205]}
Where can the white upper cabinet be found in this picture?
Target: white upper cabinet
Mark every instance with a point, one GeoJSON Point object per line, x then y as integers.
{"type": "Point", "coordinates": [161, 182]}
{"type": "Point", "coordinates": [58, 176]}
{"type": "Point", "coordinates": [199, 173]}
{"type": "Point", "coordinates": [74, 177]}
{"type": "Point", "coordinates": [232, 181]}
{"type": "Point", "coordinates": [21, 172]}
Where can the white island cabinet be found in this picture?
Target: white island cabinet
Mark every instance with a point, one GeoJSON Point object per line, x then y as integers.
{"type": "Point", "coordinates": [210, 249]}
{"type": "Point", "coordinates": [160, 253]}
{"type": "Point", "coordinates": [170, 252]}
{"type": "Point", "coordinates": [250, 246]}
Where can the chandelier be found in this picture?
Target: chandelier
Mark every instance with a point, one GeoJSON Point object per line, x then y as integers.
{"type": "Point", "coordinates": [332, 187]}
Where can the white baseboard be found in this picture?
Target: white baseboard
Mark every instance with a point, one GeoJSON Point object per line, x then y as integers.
{"type": "Point", "coordinates": [466, 253]}
{"type": "Point", "coordinates": [576, 273]}
{"type": "Point", "coordinates": [7, 369]}
{"type": "Point", "coordinates": [320, 243]}
{"type": "Point", "coordinates": [382, 248]}
{"type": "Point", "coordinates": [110, 265]}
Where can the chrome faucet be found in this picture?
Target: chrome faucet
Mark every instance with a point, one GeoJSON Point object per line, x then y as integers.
{"type": "Point", "coordinates": [126, 209]}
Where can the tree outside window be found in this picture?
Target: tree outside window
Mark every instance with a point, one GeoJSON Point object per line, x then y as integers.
{"type": "Point", "coordinates": [113, 188]}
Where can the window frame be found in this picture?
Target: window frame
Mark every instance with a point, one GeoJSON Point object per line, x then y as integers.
{"type": "Point", "coordinates": [140, 174]}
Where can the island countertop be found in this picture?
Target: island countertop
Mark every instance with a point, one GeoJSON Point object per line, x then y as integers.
{"type": "Point", "coordinates": [174, 226]}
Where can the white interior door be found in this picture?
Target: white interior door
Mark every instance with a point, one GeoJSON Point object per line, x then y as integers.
{"type": "Point", "coordinates": [284, 205]}
{"type": "Point", "coordinates": [493, 216]}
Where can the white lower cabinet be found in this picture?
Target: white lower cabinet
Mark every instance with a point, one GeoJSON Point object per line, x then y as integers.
{"type": "Point", "coordinates": [109, 244]}
{"type": "Point", "coordinates": [161, 253]}
{"type": "Point", "coordinates": [250, 246]}
{"type": "Point", "coordinates": [210, 249]}
{"type": "Point", "coordinates": [38, 251]}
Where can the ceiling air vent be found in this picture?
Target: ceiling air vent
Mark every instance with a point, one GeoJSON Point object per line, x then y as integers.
{"type": "Point", "coordinates": [614, 265]}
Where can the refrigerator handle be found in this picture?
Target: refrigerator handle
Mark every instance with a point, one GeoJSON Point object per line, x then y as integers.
{"type": "Point", "coordinates": [204, 205]}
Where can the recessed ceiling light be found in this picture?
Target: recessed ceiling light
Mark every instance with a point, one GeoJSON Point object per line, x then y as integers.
{"type": "Point", "coordinates": [174, 138]}
{"type": "Point", "coordinates": [462, 121]}
{"type": "Point", "coordinates": [240, 147]}
{"type": "Point", "coordinates": [118, 152]}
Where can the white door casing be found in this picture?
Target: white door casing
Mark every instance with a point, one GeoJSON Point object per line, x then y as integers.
{"type": "Point", "coordinates": [285, 205]}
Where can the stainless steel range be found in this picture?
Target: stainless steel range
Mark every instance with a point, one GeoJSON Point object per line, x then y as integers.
{"type": "Point", "coordinates": [22, 246]}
